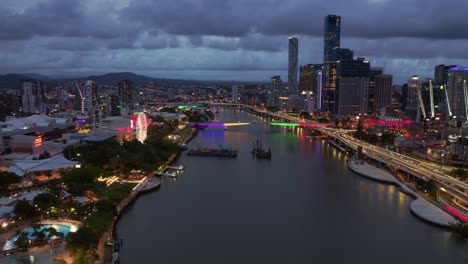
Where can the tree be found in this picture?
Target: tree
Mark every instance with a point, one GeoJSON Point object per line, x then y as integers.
{"type": "Point", "coordinates": [22, 243]}
{"type": "Point", "coordinates": [305, 115]}
{"type": "Point", "coordinates": [359, 131]}
{"type": "Point", "coordinates": [7, 179]}
{"type": "Point", "coordinates": [80, 180]}
{"type": "Point", "coordinates": [459, 173]}
{"type": "Point", "coordinates": [45, 201]}
{"type": "Point", "coordinates": [24, 209]}
{"type": "Point", "coordinates": [85, 237]}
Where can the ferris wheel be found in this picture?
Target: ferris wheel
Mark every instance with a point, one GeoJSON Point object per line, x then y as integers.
{"type": "Point", "coordinates": [142, 124]}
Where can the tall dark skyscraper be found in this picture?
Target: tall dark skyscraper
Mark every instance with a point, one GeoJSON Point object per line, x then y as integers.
{"type": "Point", "coordinates": [441, 73]}
{"type": "Point", "coordinates": [332, 33]}
{"type": "Point", "coordinates": [372, 83]}
{"type": "Point", "coordinates": [293, 65]}
{"type": "Point", "coordinates": [383, 91]}
{"type": "Point", "coordinates": [32, 97]}
{"type": "Point", "coordinates": [127, 94]}
{"type": "Point", "coordinates": [351, 95]}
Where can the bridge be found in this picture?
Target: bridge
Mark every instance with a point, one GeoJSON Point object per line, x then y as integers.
{"type": "Point", "coordinates": [424, 170]}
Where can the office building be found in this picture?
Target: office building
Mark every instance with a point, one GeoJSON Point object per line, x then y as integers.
{"type": "Point", "coordinates": [332, 35]}
{"type": "Point", "coordinates": [127, 94]}
{"type": "Point", "coordinates": [90, 97]}
{"type": "Point", "coordinates": [234, 94]}
{"type": "Point", "coordinates": [310, 83]}
{"type": "Point", "coordinates": [374, 71]}
{"type": "Point", "coordinates": [274, 94]}
{"type": "Point", "coordinates": [115, 105]}
{"type": "Point", "coordinates": [293, 65]}
{"type": "Point", "coordinates": [441, 73]}
{"type": "Point", "coordinates": [32, 97]}
{"type": "Point", "coordinates": [382, 91]}
{"type": "Point", "coordinates": [351, 95]}
{"type": "Point", "coordinates": [458, 93]}
{"type": "Point", "coordinates": [413, 109]}
{"type": "Point", "coordinates": [329, 87]}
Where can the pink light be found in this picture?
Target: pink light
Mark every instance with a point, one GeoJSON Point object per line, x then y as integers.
{"type": "Point", "coordinates": [455, 212]}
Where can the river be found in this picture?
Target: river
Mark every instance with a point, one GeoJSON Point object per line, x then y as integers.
{"type": "Point", "coordinates": [302, 206]}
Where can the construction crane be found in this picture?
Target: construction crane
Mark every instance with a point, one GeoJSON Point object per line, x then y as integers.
{"type": "Point", "coordinates": [465, 93]}
{"type": "Point", "coordinates": [431, 94]}
{"type": "Point", "coordinates": [421, 103]}
{"type": "Point", "coordinates": [448, 102]}
{"type": "Point", "coordinates": [82, 97]}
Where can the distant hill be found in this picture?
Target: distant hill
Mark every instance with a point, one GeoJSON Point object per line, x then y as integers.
{"type": "Point", "coordinates": [14, 80]}
{"type": "Point", "coordinates": [114, 78]}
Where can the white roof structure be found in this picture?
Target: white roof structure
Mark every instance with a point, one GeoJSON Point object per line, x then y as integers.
{"type": "Point", "coordinates": [58, 162]}
{"type": "Point", "coordinates": [31, 121]}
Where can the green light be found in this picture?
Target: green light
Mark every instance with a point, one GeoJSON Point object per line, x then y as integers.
{"type": "Point", "coordinates": [119, 106]}
{"type": "Point", "coordinates": [284, 124]}
{"type": "Point", "coordinates": [182, 106]}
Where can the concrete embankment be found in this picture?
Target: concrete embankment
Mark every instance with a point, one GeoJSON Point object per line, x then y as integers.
{"type": "Point", "coordinates": [420, 207]}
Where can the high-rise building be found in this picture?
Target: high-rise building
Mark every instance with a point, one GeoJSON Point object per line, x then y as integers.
{"type": "Point", "coordinates": [115, 105]}
{"type": "Point", "coordinates": [310, 82]}
{"type": "Point", "coordinates": [32, 97]}
{"type": "Point", "coordinates": [351, 95]}
{"type": "Point", "coordinates": [9, 105]}
{"type": "Point", "coordinates": [273, 98]}
{"type": "Point", "coordinates": [412, 109]}
{"type": "Point", "coordinates": [90, 97]}
{"type": "Point", "coordinates": [345, 54]}
{"type": "Point", "coordinates": [332, 35]}
{"type": "Point", "coordinates": [458, 93]}
{"type": "Point", "coordinates": [374, 71]}
{"type": "Point", "coordinates": [293, 65]}
{"type": "Point", "coordinates": [383, 91]}
{"type": "Point", "coordinates": [329, 87]}
{"type": "Point", "coordinates": [127, 94]}
{"type": "Point", "coordinates": [234, 94]}
{"type": "Point", "coordinates": [441, 73]}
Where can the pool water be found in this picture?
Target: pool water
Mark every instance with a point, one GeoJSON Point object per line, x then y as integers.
{"type": "Point", "coordinates": [64, 228]}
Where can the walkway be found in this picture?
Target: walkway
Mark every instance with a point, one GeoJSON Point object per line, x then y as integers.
{"type": "Point", "coordinates": [420, 206]}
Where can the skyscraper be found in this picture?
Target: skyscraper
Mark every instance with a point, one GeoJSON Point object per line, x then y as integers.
{"type": "Point", "coordinates": [458, 93]}
{"type": "Point", "coordinates": [114, 105]}
{"type": "Point", "coordinates": [412, 109]}
{"type": "Point", "coordinates": [234, 95]}
{"type": "Point", "coordinates": [293, 65]}
{"type": "Point", "coordinates": [329, 87]}
{"type": "Point", "coordinates": [273, 98]}
{"type": "Point", "coordinates": [374, 71]}
{"type": "Point", "coordinates": [127, 94]}
{"type": "Point", "coordinates": [441, 73]}
{"type": "Point", "coordinates": [351, 95]}
{"type": "Point", "coordinates": [332, 35]}
{"type": "Point", "coordinates": [310, 82]}
{"type": "Point", "coordinates": [90, 96]}
{"type": "Point", "coordinates": [383, 91]}
{"type": "Point", "coordinates": [32, 97]}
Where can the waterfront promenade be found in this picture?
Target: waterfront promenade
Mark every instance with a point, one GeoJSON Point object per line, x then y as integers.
{"type": "Point", "coordinates": [420, 207]}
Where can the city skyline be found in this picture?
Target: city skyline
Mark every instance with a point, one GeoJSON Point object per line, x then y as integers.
{"type": "Point", "coordinates": [155, 39]}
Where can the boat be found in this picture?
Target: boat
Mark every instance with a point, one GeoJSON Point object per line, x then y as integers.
{"type": "Point", "coordinates": [259, 152]}
{"type": "Point", "coordinates": [213, 152]}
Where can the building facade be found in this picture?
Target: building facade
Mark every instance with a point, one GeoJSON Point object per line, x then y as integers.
{"type": "Point", "coordinates": [382, 91]}
{"type": "Point", "coordinates": [234, 94]}
{"type": "Point", "coordinates": [412, 109]}
{"type": "Point", "coordinates": [441, 73]}
{"type": "Point", "coordinates": [293, 65]}
{"type": "Point", "coordinates": [273, 97]}
{"type": "Point", "coordinates": [32, 97]}
{"type": "Point", "coordinates": [458, 93]}
{"type": "Point", "coordinates": [332, 34]}
{"type": "Point", "coordinates": [127, 94]}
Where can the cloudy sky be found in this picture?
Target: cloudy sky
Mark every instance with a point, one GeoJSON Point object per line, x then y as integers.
{"type": "Point", "coordinates": [225, 39]}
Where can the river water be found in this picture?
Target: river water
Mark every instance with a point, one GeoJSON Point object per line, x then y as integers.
{"type": "Point", "coordinates": [302, 206]}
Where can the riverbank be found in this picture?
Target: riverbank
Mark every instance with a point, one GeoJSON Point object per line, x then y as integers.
{"type": "Point", "coordinates": [420, 207]}
{"type": "Point", "coordinates": [149, 184]}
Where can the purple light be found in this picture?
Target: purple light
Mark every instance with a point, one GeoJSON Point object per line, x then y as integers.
{"type": "Point", "coordinates": [459, 68]}
{"type": "Point", "coordinates": [80, 121]}
{"type": "Point", "coordinates": [208, 124]}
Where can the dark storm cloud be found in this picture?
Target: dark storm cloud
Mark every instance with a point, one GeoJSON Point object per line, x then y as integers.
{"type": "Point", "coordinates": [362, 18]}
{"type": "Point", "coordinates": [228, 35]}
